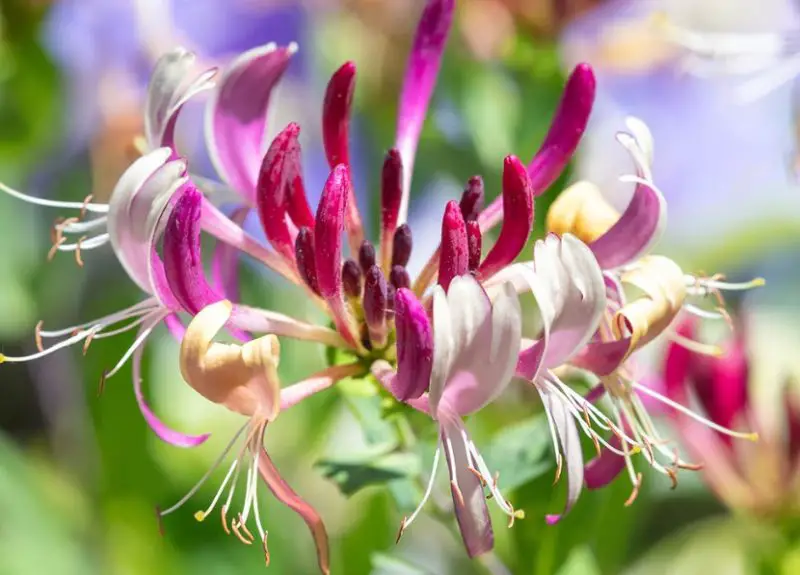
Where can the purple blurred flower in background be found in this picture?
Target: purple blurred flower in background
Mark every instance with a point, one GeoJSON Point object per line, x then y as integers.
{"type": "Point", "coordinates": [723, 164]}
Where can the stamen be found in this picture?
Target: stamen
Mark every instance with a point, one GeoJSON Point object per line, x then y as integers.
{"type": "Point", "coordinates": [457, 491]}
{"type": "Point", "coordinates": [243, 527]}
{"type": "Point", "coordinates": [84, 206]}
{"type": "Point", "coordinates": [144, 333]}
{"type": "Point", "coordinates": [351, 278]}
{"type": "Point", "coordinates": [101, 386]}
{"type": "Point", "coordinates": [52, 253]}
{"type": "Point", "coordinates": [697, 417]}
{"type": "Point", "coordinates": [401, 246]}
{"type": "Point", "coordinates": [207, 474]}
{"type": "Point", "coordinates": [37, 335]}
{"type": "Point", "coordinates": [201, 515]}
{"type": "Point", "coordinates": [266, 548]}
{"type": "Point", "coordinates": [78, 259]}
{"type": "Point", "coordinates": [428, 490]}
{"type": "Point", "coordinates": [635, 493]}
{"type": "Point", "coordinates": [235, 527]}
{"type": "Point", "coordinates": [224, 515]}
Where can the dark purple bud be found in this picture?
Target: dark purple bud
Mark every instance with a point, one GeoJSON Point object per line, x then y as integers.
{"type": "Point", "coordinates": [474, 242]}
{"type": "Point", "coordinates": [390, 297]}
{"type": "Point", "coordinates": [399, 277]}
{"type": "Point", "coordinates": [366, 255]}
{"type": "Point", "coordinates": [472, 199]}
{"type": "Point", "coordinates": [391, 190]}
{"type": "Point", "coordinates": [351, 278]}
{"type": "Point", "coordinates": [401, 246]}
{"type": "Point", "coordinates": [414, 346]}
{"type": "Point", "coordinates": [304, 253]}
{"type": "Point", "coordinates": [792, 400]}
{"type": "Point", "coordinates": [374, 297]}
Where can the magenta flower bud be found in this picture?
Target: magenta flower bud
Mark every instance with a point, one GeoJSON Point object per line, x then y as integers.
{"type": "Point", "coordinates": [328, 245]}
{"type": "Point", "coordinates": [391, 191]}
{"type": "Point", "coordinates": [183, 261]}
{"type": "Point", "coordinates": [366, 255]}
{"type": "Point", "coordinates": [472, 199]}
{"type": "Point", "coordinates": [454, 258]}
{"type": "Point", "coordinates": [517, 218]}
{"type": "Point", "coordinates": [336, 114]}
{"type": "Point", "coordinates": [351, 278]}
{"type": "Point", "coordinates": [399, 277]}
{"type": "Point", "coordinates": [474, 244]}
{"type": "Point", "coordinates": [721, 383]}
{"type": "Point", "coordinates": [566, 130]}
{"type": "Point", "coordinates": [414, 346]}
{"type": "Point", "coordinates": [401, 246]}
{"type": "Point", "coordinates": [304, 253]}
{"type": "Point", "coordinates": [297, 201]}
{"type": "Point", "coordinates": [276, 172]}
{"type": "Point", "coordinates": [375, 304]}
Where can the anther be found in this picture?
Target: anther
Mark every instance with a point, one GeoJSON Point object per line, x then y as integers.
{"type": "Point", "coordinates": [86, 201]}
{"type": "Point", "coordinates": [457, 493]}
{"type": "Point", "coordinates": [401, 246]}
{"type": "Point", "coordinates": [401, 530]}
{"type": "Point", "coordinates": [224, 515]}
{"type": "Point", "coordinates": [52, 253]}
{"type": "Point", "coordinates": [235, 527]}
{"type": "Point", "coordinates": [266, 548]}
{"type": "Point", "coordinates": [243, 527]}
{"type": "Point", "coordinates": [477, 474]}
{"type": "Point", "coordinates": [102, 385]}
{"type": "Point", "coordinates": [78, 259]}
{"type": "Point", "coordinates": [37, 335]}
{"type": "Point", "coordinates": [559, 469]}
{"type": "Point", "coordinates": [88, 341]}
{"type": "Point", "coordinates": [159, 520]}
{"type": "Point", "coordinates": [635, 493]}
{"type": "Point", "coordinates": [351, 278]}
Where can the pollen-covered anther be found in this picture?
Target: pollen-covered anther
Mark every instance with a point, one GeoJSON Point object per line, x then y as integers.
{"type": "Point", "coordinates": [235, 526]}
{"type": "Point", "coordinates": [366, 255]}
{"type": "Point", "coordinates": [351, 278]}
{"type": "Point", "coordinates": [88, 341]}
{"type": "Point", "coordinates": [78, 258]}
{"type": "Point", "coordinates": [85, 205]}
{"type": "Point", "coordinates": [399, 277]}
{"type": "Point", "coordinates": [37, 335]}
{"type": "Point", "coordinates": [266, 549]}
{"type": "Point", "coordinates": [559, 468]}
{"type": "Point", "coordinates": [402, 529]}
{"type": "Point", "coordinates": [243, 527]}
{"type": "Point", "coordinates": [514, 515]}
{"type": "Point", "coordinates": [635, 493]}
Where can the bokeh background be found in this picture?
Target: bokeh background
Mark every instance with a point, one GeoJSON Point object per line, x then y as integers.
{"type": "Point", "coordinates": [81, 474]}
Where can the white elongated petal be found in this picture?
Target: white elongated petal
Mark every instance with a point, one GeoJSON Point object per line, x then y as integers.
{"type": "Point", "coordinates": [443, 347]}
{"type": "Point", "coordinates": [168, 76]}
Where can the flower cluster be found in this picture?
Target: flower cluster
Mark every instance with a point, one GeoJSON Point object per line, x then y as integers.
{"type": "Point", "coordinates": [446, 343]}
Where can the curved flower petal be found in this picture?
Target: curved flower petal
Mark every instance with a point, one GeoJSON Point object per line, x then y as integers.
{"type": "Point", "coordinates": [418, 83]}
{"type": "Point", "coordinates": [139, 199]}
{"type": "Point", "coordinates": [570, 292]}
{"type": "Point", "coordinates": [236, 115]}
{"type": "Point", "coordinates": [414, 346]}
{"type": "Point", "coordinates": [604, 468]}
{"type": "Point", "coordinates": [159, 428]}
{"type": "Point", "coordinates": [242, 378]}
{"type": "Point", "coordinates": [517, 219]}
{"type": "Point", "coordinates": [286, 495]}
{"type": "Point", "coordinates": [570, 442]}
{"type": "Point", "coordinates": [183, 262]}
{"type": "Point", "coordinates": [469, 502]}
{"type": "Point", "coordinates": [167, 92]}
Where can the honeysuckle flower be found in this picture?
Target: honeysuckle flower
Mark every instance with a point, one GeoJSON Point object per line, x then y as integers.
{"type": "Point", "coordinates": [244, 379]}
{"type": "Point", "coordinates": [378, 313]}
{"type": "Point", "coordinates": [764, 480]}
{"type": "Point", "coordinates": [657, 291]}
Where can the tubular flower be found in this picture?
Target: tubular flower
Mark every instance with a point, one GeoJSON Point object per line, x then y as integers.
{"type": "Point", "coordinates": [380, 316]}
{"type": "Point", "coordinates": [764, 481]}
{"type": "Point", "coordinates": [244, 379]}
{"type": "Point", "coordinates": [645, 293]}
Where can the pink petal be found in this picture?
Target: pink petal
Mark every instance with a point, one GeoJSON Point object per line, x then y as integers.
{"type": "Point", "coordinates": [420, 78]}
{"type": "Point", "coordinates": [414, 345]}
{"type": "Point", "coordinates": [518, 218]}
{"type": "Point", "coordinates": [454, 258]}
{"type": "Point", "coordinates": [570, 443]}
{"type": "Point", "coordinates": [175, 326]}
{"type": "Point", "coordinates": [286, 495]}
{"type": "Point", "coordinates": [602, 358]}
{"type": "Point", "coordinates": [335, 136]}
{"type": "Point", "coordinates": [272, 188]}
{"type": "Point", "coordinates": [183, 262]}
{"type": "Point", "coordinates": [236, 116]}
{"type": "Point", "coordinates": [297, 392]}
{"type": "Point", "coordinates": [305, 257]}
{"type": "Point", "coordinates": [485, 345]}
{"type": "Point", "coordinates": [469, 502]}
{"type": "Point", "coordinates": [225, 261]}
{"type": "Point", "coordinates": [161, 430]}
{"type": "Point", "coordinates": [604, 468]}
{"type": "Point", "coordinates": [566, 130]}
{"type": "Point", "coordinates": [328, 244]}
{"type": "Point", "coordinates": [637, 229]}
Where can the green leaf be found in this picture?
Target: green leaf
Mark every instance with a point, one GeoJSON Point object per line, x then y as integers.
{"type": "Point", "coordinates": [394, 565]}
{"type": "Point", "coordinates": [581, 561]}
{"type": "Point", "coordinates": [520, 452]}
{"type": "Point", "coordinates": [373, 468]}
